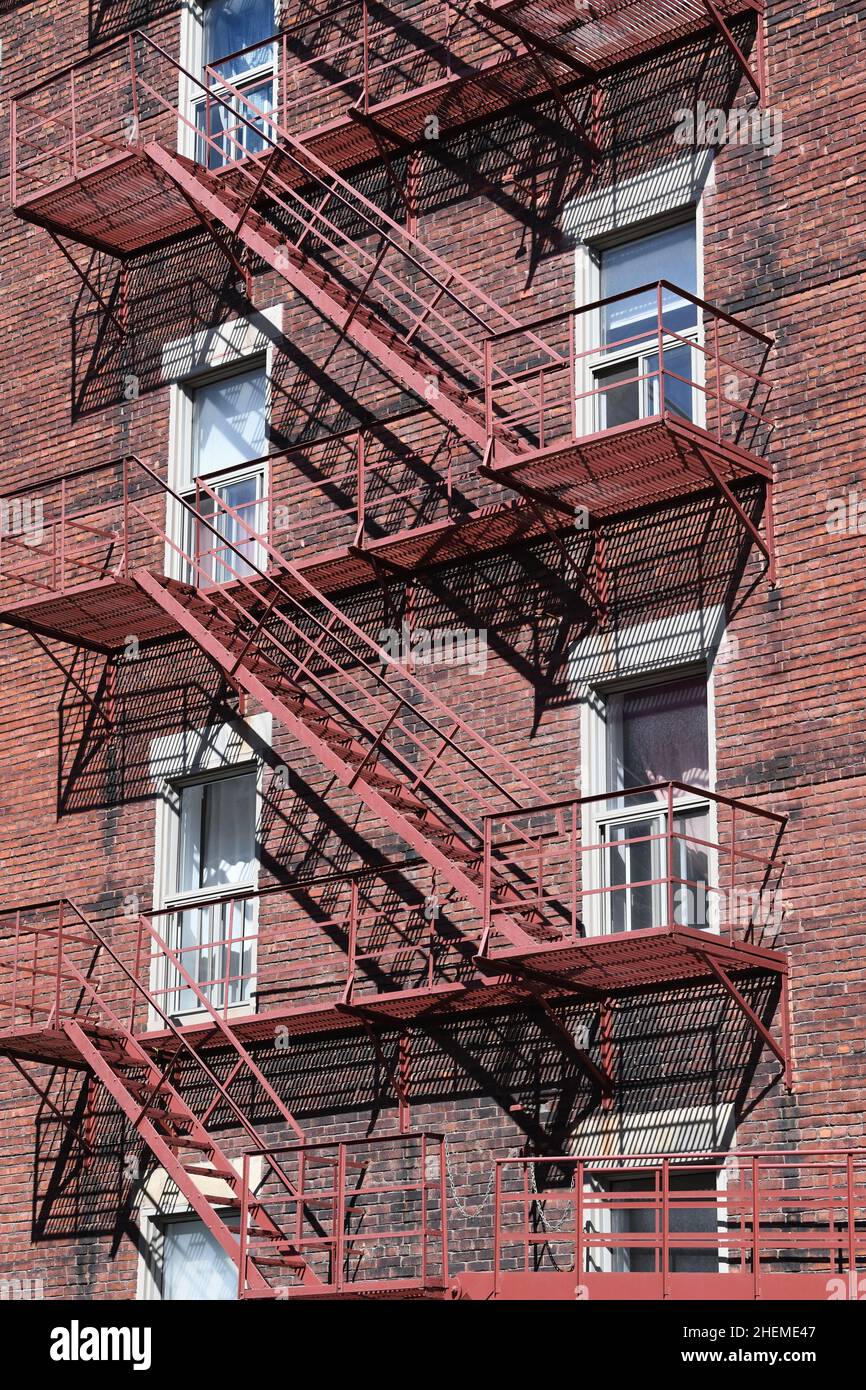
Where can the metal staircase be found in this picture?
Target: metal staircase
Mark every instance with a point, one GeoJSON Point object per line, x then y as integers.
{"type": "Point", "coordinates": [146, 1084]}
{"type": "Point", "coordinates": [368, 719]}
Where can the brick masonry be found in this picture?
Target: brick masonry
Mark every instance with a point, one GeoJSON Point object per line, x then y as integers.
{"type": "Point", "coordinates": [783, 247]}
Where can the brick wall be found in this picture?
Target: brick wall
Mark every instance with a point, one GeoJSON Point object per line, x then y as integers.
{"type": "Point", "coordinates": [783, 243]}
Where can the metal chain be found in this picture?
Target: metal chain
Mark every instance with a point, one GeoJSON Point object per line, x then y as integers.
{"type": "Point", "coordinates": [548, 1225]}
{"type": "Point", "coordinates": [465, 1211]}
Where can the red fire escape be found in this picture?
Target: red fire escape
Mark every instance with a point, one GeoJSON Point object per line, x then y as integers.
{"type": "Point", "coordinates": [512, 869]}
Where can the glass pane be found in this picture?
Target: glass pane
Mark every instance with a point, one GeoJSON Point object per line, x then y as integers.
{"type": "Point", "coordinates": [667, 255]}
{"type": "Point", "coordinates": [633, 1219]}
{"type": "Point", "coordinates": [230, 421]}
{"type": "Point", "coordinates": [659, 734]}
{"type": "Point", "coordinates": [632, 860]}
{"type": "Point", "coordinates": [618, 404]}
{"type": "Point", "coordinates": [229, 831]}
{"type": "Point", "coordinates": [232, 25]}
{"type": "Point", "coordinates": [217, 833]}
{"type": "Point", "coordinates": [195, 1265]}
{"type": "Point", "coordinates": [692, 902]}
{"type": "Point", "coordinates": [678, 393]}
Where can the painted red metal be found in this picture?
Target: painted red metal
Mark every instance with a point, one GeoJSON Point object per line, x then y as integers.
{"type": "Point", "coordinates": [369, 1215]}
{"type": "Point", "coordinates": [726, 1225]}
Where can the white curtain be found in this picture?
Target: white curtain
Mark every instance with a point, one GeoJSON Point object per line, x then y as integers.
{"type": "Point", "coordinates": [195, 1266]}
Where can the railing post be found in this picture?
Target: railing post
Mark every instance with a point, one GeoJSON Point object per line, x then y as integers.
{"type": "Point", "coordinates": [125, 570]}
{"type": "Point", "coordinates": [424, 1211]}
{"type": "Point", "coordinates": [756, 1223]}
{"type": "Point", "coordinates": [670, 854]}
{"type": "Point", "coordinates": [361, 488]}
{"type": "Point", "coordinates": [488, 388]}
{"type": "Point", "coordinates": [365, 26]}
{"type": "Point", "coordinates": [340, 1209]}
{"type": "Point", "coordinates": [59, 966]}
{"type": "Point", "coordinates": [284, 80]}
{"type": "Point", "coordinates": [852, 1225]}
{"type": "Point", "coordinates": [661, 352]}
{"type": "Point", "coordinates": [497, 1227]}
{"type": "Point", "coordinates": [665, 1224]}
{"type": "Point", "coordinates": [572, 373]}
{"type": "Point", "coordinates": [73, 150]}
{"type": "Point", "coordinates": [486, 885]}
{"type": "Point", "coordinates": [62, 533]}
{"type": "Point", "coordinates": [244, 1221]}
{"type": "Point", "coordinates": [133, 85]}
{"type": "Point", "coordinates": [732, 905]}
{"type": "Point", "coordinates": [579, 1244]}
{"type": "Point", "coordinates": [443, 1208]}
{"type": "Point", "coordinates": [718, 374]}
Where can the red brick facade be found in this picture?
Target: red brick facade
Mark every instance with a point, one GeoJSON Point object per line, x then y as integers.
{"type": "Point", "coordinates": [782, 248]}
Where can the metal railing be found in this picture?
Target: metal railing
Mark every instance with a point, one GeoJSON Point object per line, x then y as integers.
{"type": "Point", "coordinates": [661, 855]}
{"type": "Point", "coordinates": [653, 351]}
{"type": "Point", "coordinates": [746, 1219]}
{"type": "Point", "coordinates": [366, 1214]}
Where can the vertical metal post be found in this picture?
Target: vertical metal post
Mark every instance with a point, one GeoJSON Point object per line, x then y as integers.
{"type": "Point", "coordinates": [572, 373]}
{"type": "Point", "coordinates": [424, 1212]}
{"type": "Point", "coordinates": [718, 375]}
{"type": "Point", "coordinates": [443, 1207]}
{"type": "Point", "coordinates": [756, 1223]}
{"type": "Point", "coordinates": [361, 488]}
{"type": "Point", "coordinates": [852, 1224]}
{"type": "Point", "coordinates": [365, 30]}
{"type": "Point", "coordinates": [244, 1221]}
{"type": "Point", "coordinates": [541, 407]}
{"type": "Point", "coordinates": [488, 395]}
{"type": "Point", "coordinates": [497, 1227]}
{"type": "Point", "coordinates": [125, 570]}
{"type": "Point", "coordinates": [62, 534]}
{"type": "Point", "coordinates": [661, 352]}
{"type": "Point", "coordinates": [486, 884]}
{"type": "Point", "coordinates": [340, 1215]}
{"type": "Point", "coordinates": [284, 79]}
{"type": "Point", "coordinates": [573, 851]}
{"type": "Point", "coordinates": [133, 81]}
{"type": "Point", "coordinates": [73, 151]}
{"type": "Point", "coordinates": [669, 841]}
{"type": "Point", "coordinates": [732, 905]}
{"type": "Point", "coordinates": [59, 965]}
{"type": "Point", "coordinates": [665, 1224]}
{"type": "Point", "coordinates": [579, 1244]}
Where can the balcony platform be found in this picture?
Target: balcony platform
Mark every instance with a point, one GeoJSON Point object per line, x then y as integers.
{"type": "Point", "coordinates": [607, 33]}
{"type": "Point", "coordinates": [635, 960]}
{"type": "Point", "coordinates": [551, 1286]}
{"type": "Point", "coordinates": [120, 205]}
{"type": "Point", "coordinates": [618, 470]}
{"type": "Point", "coordinates": [101, 615]}
{"type": "Point", "coordinates": [104, 613]}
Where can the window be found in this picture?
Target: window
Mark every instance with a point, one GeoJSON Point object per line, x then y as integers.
{"type": "Point", "coordinates": [626, 377]}
{"type": "Point", "coordinates": [653, 733]}
{"type": "Point", "coordinates": [229, 426]}
{"type": "Point", "coordinates": [633, 1219]}
{"type": "Point", "coordinates": [194, 1264]}
{"type": "Point", "coordinates": [235, 56]}
{"type": "Point", "coordinates": [212, 929]}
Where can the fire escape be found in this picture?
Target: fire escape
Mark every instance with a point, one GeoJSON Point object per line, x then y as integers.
{"type": "Point", "coordinates": [508, 867]}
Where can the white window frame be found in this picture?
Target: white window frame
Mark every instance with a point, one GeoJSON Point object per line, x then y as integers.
{"type": "Point", "coordinates": [190, 95]}
{"type": "Point", "coordinates": [237, 345]}
{"type": "Point", "coordinates": [668, 651]}
{"type": "Point", "coordinates": [677, 1133]}
{"type": "Point", "coordinates": [159, 1203]}
{"type": "Point", "coordinates": [633, 208]}
{"type": "Point", "coordinates": [176, 761]}
{"type": "Point", "coordinates": [259, 470]}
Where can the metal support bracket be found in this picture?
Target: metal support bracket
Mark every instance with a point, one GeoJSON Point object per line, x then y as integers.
{"type": "Point", "coordinates": [780, 1051]}
{"type": "Point", "coordinates": [720, 24]}
{"type": "Point", "coordinates": [116, 319]}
